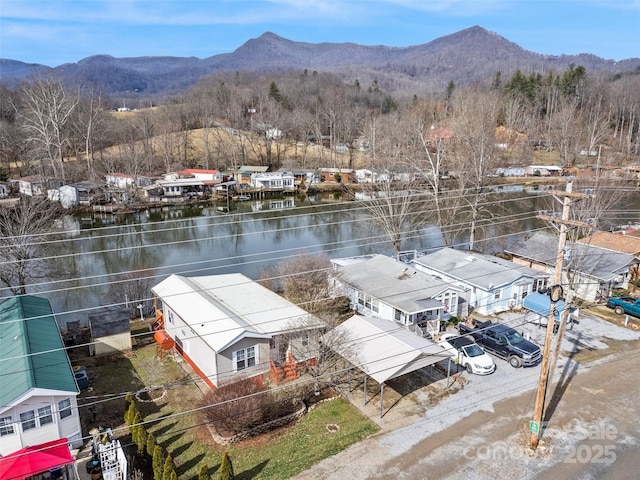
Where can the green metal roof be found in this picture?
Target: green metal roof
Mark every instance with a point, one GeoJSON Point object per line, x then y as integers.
{"type": "Point", "coordinates": [32, 353]}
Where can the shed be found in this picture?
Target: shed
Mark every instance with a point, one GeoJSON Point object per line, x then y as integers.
{"type": "Point", "coordinates": [110, 330]}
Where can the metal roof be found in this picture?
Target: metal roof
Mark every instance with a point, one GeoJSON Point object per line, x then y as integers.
{"type": "Point", "coordinates": [484, 271]}
{"type": "Point", "coordinates": [32, 353]}
{"type": "Point", "coordinates": [596, 262]}
{"type": "Point", "coordinates": [384, 350]}
{"type": "Point", "coordinates": [392, 282]}
{"type": "Point", "coordinates": [224, 308]}
{"type": "Point", "coordinates": [540, 304]}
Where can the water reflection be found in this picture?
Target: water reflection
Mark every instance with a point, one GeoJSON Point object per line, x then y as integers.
{"type": "Point", "coordinates": [245, 238]}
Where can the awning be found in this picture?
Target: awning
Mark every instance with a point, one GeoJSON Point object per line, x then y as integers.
{"type": "Point", "coordinates": [36, 459]}
{"type": "Point", "coordinates": [540, 303]}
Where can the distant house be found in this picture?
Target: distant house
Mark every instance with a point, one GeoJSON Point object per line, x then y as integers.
{"type": "Point", "coordinates": [346, 175]}
{"type": "Point", "coordinates": [274, 181]}
{"type": "Point", "coordinates": [127, 181]}
{"type": "Point", "coordinates": [38, 389]}
{"type": "Point", "coordinates": [79, 193]}
{"type": "Point", "coordinates": [511, 172]}
{"type": "Point", "coordinates": [618, 242]}
{"type": "Point", "coordinates": [593, 272]}
{"type": "Point", "coordinates": [110, 330]}
{"type": "Point", "coordinates": [490, 284]}
{"type": "Point", "coordinates": [36, 185]}
{"type": "Point", "coordinates": [380, 286]}
{"type": "Point", "coordinates": [209, 177]}
{"type": "Point", "coordinates": [243, 173]}
{"type": "Point", "coordinates": [228, 327]}
{"type": "Point", "coordinates": [306, 175]}
{"type": "Point", "coordinates": [543, 170]}
{"type": "Point", "coordinates": [180, 188]}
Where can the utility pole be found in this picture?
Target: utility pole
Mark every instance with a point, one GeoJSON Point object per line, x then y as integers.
{"type": "Point", "coordinates": [556, 294]}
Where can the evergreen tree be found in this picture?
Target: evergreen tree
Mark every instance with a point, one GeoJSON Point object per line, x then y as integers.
{"type": "Point", "coordinates": [274, 92]}
{"type": "Point", "coordinates": [151, 444]}
{"type": "Point", "coordinates": [133, 429]}
{"type": "Point", "coordinates": [203, 474]}
{"type": "Point", "coordinates": [168, 468]}
{"type": "Point", "coordinates": [226, 468]}
{"type": "Point", "coordinates": [130, 414]}
{"type": "Point", "coordinates": [142, 439]}
{"type": "Point", "coordinates": [157, 462]}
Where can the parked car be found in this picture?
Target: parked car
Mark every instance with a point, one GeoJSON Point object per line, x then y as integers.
{"type": "Point", "coordinates": [468, 354]}
{"type": "Point", "coordinates": [504, 342]}
{"type": "Point", "coordinates": [625, 305]}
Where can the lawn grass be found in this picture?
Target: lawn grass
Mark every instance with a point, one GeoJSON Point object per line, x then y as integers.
{"type": "Point", "coordinates": [278, 455]}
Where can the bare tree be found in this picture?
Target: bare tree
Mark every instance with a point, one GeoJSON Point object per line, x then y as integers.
{"type": "Point", "coordinates": [46, 110]}
{"type": "Point", "coordinates": [474, 152]}
{"type": "Point", "coordinates": [86, 122]}
{"type": "Point", "coordinates": [395, 206]}
{"type": "Point", "coordinates": [24, 230]}
{"type": "Point", "coordinates": [304, 280]}
{"type": "Point", "coordinates": [133, 288]}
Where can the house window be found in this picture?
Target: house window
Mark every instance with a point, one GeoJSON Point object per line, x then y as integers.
{"type": "Point", "coordinates": [498, 294]}
{"type": "Point", "coordinates": [170, 317]}
{"type": "Point", "coordinates": [45, 416]}
{"type": "Point", "coordinates": [28, 420]}
{"type": "Point", "coordinates": [64, 408]}
{"type": "Point", "coordinates": [539, 284]}
{"type": "Point", "coordinates": [305, 340]}
{"type": "Point", "coordinates": [374, 304]}
{"type": "Point", "coordinates": [245, 358]}
{"type": "Point", "coordinates": [6, 426]}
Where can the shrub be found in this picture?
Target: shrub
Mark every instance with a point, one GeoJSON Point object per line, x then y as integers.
{"type": "Point", "coordinates": [203, 474]}
{"type": "Point", "coordinates": [245, 404]}
{"type": "Point", "coordinates": [226, 468]}
{"type": "Point", "coordinates": [157, 462]}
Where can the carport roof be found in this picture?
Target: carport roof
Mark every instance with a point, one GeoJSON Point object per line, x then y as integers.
{"type": "Point", "coordinates": [540, 304]}
{"type": "Point", "coordinates": [384, 350]}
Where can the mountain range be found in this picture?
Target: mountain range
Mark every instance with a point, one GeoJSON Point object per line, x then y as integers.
{"type": "Point", "coordinates": [470, 55]}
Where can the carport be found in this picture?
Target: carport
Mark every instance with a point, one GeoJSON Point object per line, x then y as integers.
{"type": "Point", "coordinates": [383, 350]}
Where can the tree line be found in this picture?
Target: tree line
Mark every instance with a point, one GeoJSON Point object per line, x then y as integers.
{"type": "Point", "coordinates": [59, 131]}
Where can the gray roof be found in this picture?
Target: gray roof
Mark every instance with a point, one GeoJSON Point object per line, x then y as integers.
{"type": "Point", "coordinates": [32, 354]}
{"type": "Point", "coordinates": [596, 262]}
{"type": "Point", "coordinates": [477, 269]}
{"type": "Point", "coordinates": [109, 321]}
{"type": "Point", "coordinates": [392, 282]}
{"type": "Point", "coordinates": [382, 350]}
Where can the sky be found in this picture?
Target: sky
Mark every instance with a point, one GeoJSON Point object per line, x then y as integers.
{"type": "Point", "coordinates": [55, 32]}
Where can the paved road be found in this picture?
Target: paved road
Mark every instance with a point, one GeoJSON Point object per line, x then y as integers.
{"type": "Point", "coordinates": [593, 431]}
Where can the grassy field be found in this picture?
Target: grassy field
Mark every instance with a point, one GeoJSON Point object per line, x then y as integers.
{"type": "Point", "coordinates": [327, 429]}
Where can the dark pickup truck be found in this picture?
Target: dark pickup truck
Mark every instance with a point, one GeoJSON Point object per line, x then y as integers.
{"type": "Point", "coordinates": [625, 304]}
{"type": "Point", "coordinates": [503, 342]}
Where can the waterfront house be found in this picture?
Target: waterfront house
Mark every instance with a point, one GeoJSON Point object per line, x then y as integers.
{"type": "Point", "coordinates": [380, 286]}
{"type": "Point", "coordinates": [490, 284]}
{"type": "Point", "coordinates": [592, 272]}
{"type": "Point", "coordinates": [228, 327]}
